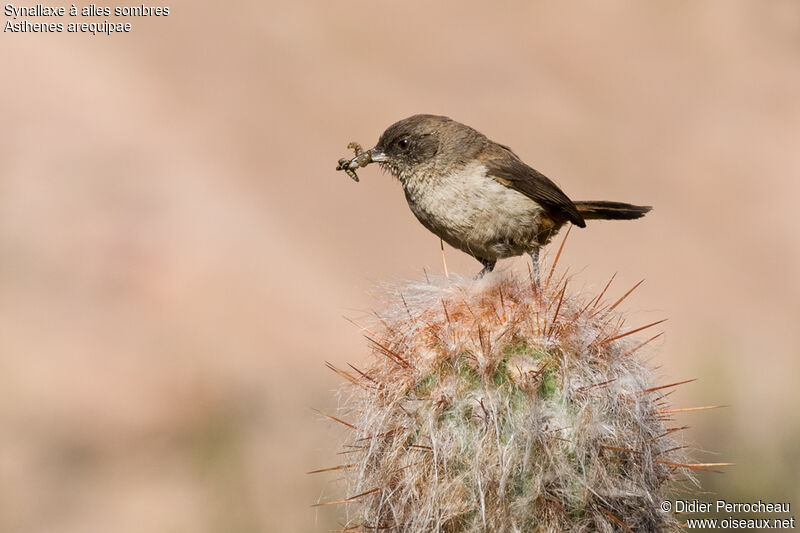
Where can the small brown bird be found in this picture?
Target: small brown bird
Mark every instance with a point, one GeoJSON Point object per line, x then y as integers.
{"type": "Point", "coordinates": [476, 194]}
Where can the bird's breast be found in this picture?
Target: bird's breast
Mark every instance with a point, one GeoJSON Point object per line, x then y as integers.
{"type": "Point", "coordinates": [473, 212]}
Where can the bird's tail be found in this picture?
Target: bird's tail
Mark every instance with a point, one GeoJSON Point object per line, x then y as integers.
{"type": "Point", "coordinates": [611, 210]}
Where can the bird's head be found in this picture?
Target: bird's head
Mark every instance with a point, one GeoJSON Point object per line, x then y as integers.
{"type": "Point", "coordinates": [421, 144]}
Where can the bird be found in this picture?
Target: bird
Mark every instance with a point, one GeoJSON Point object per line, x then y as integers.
{"type": "Point", "coordinates": [475, 194]}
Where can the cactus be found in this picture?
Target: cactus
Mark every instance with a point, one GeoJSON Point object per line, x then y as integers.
{"type": "Point", "coordinates": [500, 406]}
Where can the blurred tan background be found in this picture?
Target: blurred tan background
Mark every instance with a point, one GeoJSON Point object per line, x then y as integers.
{"type": "Point", "coordinates": [177, 252]}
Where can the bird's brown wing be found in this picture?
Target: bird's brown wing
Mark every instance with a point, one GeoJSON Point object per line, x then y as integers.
{"type": "Point", "coordinates": [517, 175]}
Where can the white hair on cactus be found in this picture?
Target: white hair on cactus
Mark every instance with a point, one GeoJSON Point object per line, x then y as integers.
{"type": "Point", "coordinates": [499, 406]}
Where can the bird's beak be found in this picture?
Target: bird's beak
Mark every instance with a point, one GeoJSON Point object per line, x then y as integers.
{"type": "Point", "coordinates": [376, 156]}
{"type": "Point", "coordinates": [365, 158]}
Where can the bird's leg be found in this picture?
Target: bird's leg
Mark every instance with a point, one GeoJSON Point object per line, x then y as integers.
{"type": "Point", "coordinates": [488, 266]}
{"type": "Point", "coordinates": [535, 257]}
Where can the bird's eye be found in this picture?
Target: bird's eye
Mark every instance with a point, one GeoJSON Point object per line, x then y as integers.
{"type": "Point", "coordinates": [403, 143]}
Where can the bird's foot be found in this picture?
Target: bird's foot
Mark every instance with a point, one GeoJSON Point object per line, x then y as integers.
{"type": "Point", "coordinates": [488, 266]}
